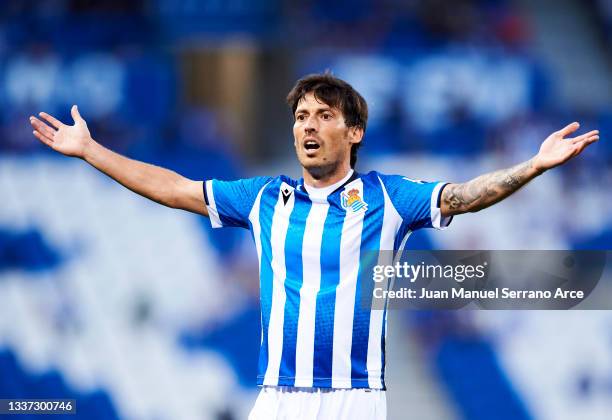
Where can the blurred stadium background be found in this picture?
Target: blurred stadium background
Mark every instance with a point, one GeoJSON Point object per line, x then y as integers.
{"type": "Point", "coordinates": [142, 312]}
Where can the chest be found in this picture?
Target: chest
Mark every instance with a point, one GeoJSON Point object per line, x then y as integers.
{"type": "Point", "coordinates": [300, 229]}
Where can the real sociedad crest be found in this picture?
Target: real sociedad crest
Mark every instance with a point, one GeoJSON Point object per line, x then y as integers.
{"type": "Point", "coordinates": [352, 200]}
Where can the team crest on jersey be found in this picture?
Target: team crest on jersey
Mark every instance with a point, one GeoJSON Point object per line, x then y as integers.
{"type": "Point", "coordinates": [351, 199]}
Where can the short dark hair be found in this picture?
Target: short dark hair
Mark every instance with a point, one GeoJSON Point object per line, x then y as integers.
{"type": "Point", "coordinates": [336, 93]}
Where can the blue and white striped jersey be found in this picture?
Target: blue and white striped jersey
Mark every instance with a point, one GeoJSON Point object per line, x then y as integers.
{"type": "Point", "coordinates": [309, 242]}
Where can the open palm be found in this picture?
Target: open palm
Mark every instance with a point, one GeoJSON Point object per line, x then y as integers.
{"type": "Point", "coordinates": [557, 149]}
{"type": "Point", "coordinates": [70, 140]}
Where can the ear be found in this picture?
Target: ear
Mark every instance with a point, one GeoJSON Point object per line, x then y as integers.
{"type": "Point", "coordinates": [355, 134]}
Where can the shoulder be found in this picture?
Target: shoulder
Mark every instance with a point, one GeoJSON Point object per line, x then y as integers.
{"type": "Point", "coordinates": [372, 176]}
{"type": "Point", "coordinates": [244, 187]}
{"type": "Point", "coordinates": [393, 181]}
{"type": "Point", "coordinates": [287, 180]}
{"type": "Point", "coordinates": [276, 181]}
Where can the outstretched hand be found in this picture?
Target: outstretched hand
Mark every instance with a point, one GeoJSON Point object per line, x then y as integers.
{"type": "Point", "coordinates": [70, 140]}
{"type": "Point", "coordinates": [557, 149]}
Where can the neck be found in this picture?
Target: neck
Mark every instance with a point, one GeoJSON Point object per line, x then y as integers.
{"type": "Point", "coordinates": [315, 178]}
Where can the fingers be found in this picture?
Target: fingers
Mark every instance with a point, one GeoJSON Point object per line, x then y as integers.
{"type": "Point", "coordinates": [587, 136]}
{"type": "Point", "coordinates": [42, 131]}
{"type": "Point", "coordinates": [41, 127]}
{"type": "Point", "coordinates": [580, 146]}
{"type": "Point", "coordinates": [51, 120]}
{"type": "Point", "coordinates": [569, 129]}
{"type": "Point", "coordinates": [44, 139]}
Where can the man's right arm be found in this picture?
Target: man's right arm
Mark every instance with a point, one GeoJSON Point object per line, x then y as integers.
{"type": "Point", "coordinates": [158, 184]}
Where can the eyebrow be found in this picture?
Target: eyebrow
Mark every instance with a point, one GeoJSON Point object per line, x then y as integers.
{"type": "Point", "coordinates": [318, 110]}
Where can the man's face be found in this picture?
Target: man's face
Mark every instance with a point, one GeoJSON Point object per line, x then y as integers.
{"type": "Point", "coordinates": [322, 139]}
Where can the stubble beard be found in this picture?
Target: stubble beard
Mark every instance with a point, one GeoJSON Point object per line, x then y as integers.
{"type": "Point", "coordinates": [322, 171]}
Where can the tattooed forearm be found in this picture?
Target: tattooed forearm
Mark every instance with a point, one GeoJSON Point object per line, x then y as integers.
{"type": "Point", "coordinates": [486, 190]}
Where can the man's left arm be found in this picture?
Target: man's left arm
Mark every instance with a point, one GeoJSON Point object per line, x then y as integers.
{"type": "Point", "coordinates": [491, 188]}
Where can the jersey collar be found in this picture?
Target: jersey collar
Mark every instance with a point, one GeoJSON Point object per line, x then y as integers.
{"type": "Point", "coordinates": [324, 192]}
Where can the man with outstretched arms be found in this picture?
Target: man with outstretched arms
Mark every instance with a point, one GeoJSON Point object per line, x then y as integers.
{"type": "Point", "coordinates": [322, 354]}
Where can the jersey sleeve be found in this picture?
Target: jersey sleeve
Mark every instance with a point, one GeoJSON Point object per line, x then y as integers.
{"type": "Point", "coordinates": [229, 203]}
{"type": "Point", "coordinates": [417, 202]}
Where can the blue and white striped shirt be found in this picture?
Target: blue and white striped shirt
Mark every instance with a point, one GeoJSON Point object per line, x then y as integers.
{"type": "Point", "coordinates": [309, 242]}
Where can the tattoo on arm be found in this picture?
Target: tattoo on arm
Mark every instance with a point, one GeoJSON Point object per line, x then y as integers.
{"type": "Point", "coordinates": [487, 189]}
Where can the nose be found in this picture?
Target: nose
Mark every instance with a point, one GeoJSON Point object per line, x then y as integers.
{"type": "Point", "coordinates": [310, 125]}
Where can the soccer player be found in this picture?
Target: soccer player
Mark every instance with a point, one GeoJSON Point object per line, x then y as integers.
{"type": "Point", "coordinates": [322, 354]}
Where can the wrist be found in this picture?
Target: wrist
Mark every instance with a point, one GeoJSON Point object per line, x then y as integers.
{"type": "Point", "coordinates": [89, 150]}
{"type": "Point", "coordinates": [536, 166]}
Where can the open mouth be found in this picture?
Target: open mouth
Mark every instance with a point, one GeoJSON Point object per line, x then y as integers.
{"type": "Point", "coordinates": [311, 145]}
